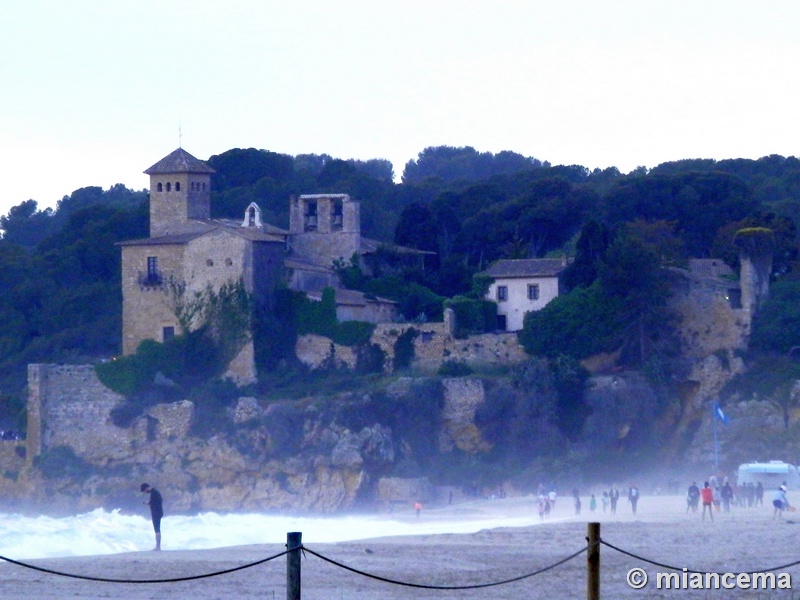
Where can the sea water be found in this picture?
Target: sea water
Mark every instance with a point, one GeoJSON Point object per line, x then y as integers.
{"type": "Point", "coordinates": [103, 532]}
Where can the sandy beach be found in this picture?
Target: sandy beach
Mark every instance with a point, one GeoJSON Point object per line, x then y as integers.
{"type": "Point", "coordinates": [742, 540]}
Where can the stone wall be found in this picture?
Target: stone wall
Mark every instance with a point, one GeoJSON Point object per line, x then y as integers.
{"type": "Point", "coordinates": [708, 323]}
{"type": "Point", "coordinates": [433, 345]}
{"type": "Point", "coordinates": [68, 406]}
{"type": "Point", "coordinates": [12, 457]}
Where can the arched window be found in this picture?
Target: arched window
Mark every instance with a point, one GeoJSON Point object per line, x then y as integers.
{"type": "Point", "coordinates": [168, 186]}
{"type": "Point", "coordinates": [177, 186]}
{"type": "Point", "coordinates": [204, 187]}
{"type": "Point", "coordinates": [160, 188]}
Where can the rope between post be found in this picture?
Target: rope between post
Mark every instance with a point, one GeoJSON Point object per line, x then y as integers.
{"type": "Point", "coordinates": [445, 587]}
{"type": "Point", "coordinates": [167, 580]}
{"type": "Point", "coordinates": [674, 568]}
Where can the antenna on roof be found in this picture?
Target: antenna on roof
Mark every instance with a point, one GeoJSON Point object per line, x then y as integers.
{"type": "Point", "coordinates": [180, 136]}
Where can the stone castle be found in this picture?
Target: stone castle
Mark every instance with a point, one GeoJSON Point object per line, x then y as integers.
{"type": "Point", "coordinates": [68, 407]}
{"type": "Point", "coordinates": [189, 251]}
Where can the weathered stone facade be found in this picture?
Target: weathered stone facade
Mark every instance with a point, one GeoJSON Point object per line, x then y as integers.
{"type": "Point", "coordinates": [708, 299]}
{"type": "Point", "coordinates": [187, 250]}
{"type": "Point", "coordinates": [433, 345]}
{"type": "Point", "coordinates": [68, 406]}
{"type": "Point", "coordinates": [324, 227]}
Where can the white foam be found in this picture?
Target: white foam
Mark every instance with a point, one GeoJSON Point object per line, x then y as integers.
{"type": "Point", "coordinates": [100, 532]}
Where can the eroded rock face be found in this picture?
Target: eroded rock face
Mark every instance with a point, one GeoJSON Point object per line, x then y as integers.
{"type": "Point", "coordinates": [240, 472]}
{"type": "Point", "coordinates": [462, 397]}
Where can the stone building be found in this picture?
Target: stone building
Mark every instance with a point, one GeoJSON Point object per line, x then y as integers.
{"type": "Point", "coordinates": [189, 252]}
{"type": "Point", "coordinates": [521, 286]}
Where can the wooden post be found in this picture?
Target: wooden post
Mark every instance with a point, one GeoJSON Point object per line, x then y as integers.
{"type": "Point", "coordinates": [593, 562]}
{"type": "Point", "coordinates": [293, 540]}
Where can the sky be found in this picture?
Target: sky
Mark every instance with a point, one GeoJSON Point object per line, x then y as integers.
{"type": "Point", "coordinates": [93, 92]}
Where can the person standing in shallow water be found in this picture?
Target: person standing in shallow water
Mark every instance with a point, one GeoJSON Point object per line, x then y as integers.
{"type": "Point", "coordinates": [156, 510]}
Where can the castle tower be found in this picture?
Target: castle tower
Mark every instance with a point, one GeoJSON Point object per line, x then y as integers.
{"type": "Point", "coordinates": [324, 227]}
{"type": "Point", "coordinates": [180, 192]}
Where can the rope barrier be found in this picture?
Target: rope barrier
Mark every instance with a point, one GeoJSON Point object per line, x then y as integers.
{"type": "Point", "coordinates": [444, 587]}
{"type": "Point", "coordinates": [674, 568]}
{"type": "Point", "coordinates": [305, 549]}
{"type": "Point", "coordinates": [168, 580]}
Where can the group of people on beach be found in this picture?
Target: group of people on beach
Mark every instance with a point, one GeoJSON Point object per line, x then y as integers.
{"type": "Point", "coordinates": [609, 499]}
{"type": "Point", "coordinates": [716, 498]}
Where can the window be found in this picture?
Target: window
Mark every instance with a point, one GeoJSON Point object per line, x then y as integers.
{"type": "Point", "coordinates": [169, 186]}
{"type": "Point", "coordinates": [310, 217]}
{"type": "Point", "coordinates": [152, 267]}
{"type": "Point", "coordinates": [502, 293]}
{"type": "Point", "coordinates": [160, 187]}
{"type": "Point", "coordinates": [167, 333]}
{"type": "Point", "coordinates": [533, 291]}
{"type": "Point", "coordinates": [152, 277]}
{"type": "Point", "coordinates": [209, 263]}
{"type": "Point", "coordinates": [337, 216]}
{"type": "Point", "coordinates": [177, 186]}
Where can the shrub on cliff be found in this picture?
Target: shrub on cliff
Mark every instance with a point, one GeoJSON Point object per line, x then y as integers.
{"type": "Point", "coordinates": [185, 360]}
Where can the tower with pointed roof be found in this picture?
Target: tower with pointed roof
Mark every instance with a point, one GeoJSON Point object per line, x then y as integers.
{"type": "Point", "coordinates": [180, 192]}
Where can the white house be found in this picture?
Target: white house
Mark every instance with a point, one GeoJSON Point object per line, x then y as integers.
{"type": "Point", "coordinates": [521, 286]}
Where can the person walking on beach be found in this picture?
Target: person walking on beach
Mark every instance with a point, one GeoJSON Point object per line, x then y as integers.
{"type": "Point", "coordinates": [780, 502]}
{"type": "Point", "coordinates": [727, 497]}
{"type": "Point", "coordinates": [613, 495]}
{"type": "Point", "coordinates": [707, 495]}
{"type": "Point", "coordinates": [633, 497]}
{"type": "Point", "coordinates": [418, 508]}
{"type": "Point", "coordinates": [156, 503]}
{"type": "Point", "coordinates": [759, 495]}
{"type": "Point", "coordinates": [692, 497]}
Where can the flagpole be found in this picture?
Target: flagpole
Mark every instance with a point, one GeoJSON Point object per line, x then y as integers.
{"type": "Point", "coordinates": [716, 444]}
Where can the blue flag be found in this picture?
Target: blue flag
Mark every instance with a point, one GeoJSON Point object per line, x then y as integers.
{"type": "Point", "coordinates": [719, 414]}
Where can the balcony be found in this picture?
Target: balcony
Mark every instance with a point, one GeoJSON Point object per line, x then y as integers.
{"type": "Point", "coordinates": [151, 279]}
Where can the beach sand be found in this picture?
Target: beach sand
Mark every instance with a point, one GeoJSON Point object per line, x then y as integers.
{"type": "Point", "coordinates": [742, 540]}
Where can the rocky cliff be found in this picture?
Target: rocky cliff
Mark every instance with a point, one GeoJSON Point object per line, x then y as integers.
{"type": "Point", "coordinates": [321, 454]}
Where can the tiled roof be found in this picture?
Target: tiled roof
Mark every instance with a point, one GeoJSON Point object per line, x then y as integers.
{"type": "Point", "coordinates": [526, 267]}
{"type": "Point", "coordinates": [296, 263]}
{"type": "Point", "coordinates": [265, 227]}
{"type": "Point", "coordinates": [253, 235]}
{"type": "Point", "coordinates": [179, 161]}
{"type": "Point", "coordinates": [179, 238]}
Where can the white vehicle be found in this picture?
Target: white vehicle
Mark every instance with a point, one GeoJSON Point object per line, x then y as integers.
{"type": "Point", "coordinates": [771, 474]}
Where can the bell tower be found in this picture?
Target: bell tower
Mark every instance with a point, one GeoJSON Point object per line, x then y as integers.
{"type": "Point", "coordinates": [180, 193]}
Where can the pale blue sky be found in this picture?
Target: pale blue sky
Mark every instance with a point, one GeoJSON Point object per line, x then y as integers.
{"type": "Point", "coordinates": [92, 92]}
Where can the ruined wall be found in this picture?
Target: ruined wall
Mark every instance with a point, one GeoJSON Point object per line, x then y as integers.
{"type": "Point", "coordinates": [12, 457]}
{"type": "Point", "coordinates": [68, 406]}
{"type": "Point", "coordinates": [433, 345]}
